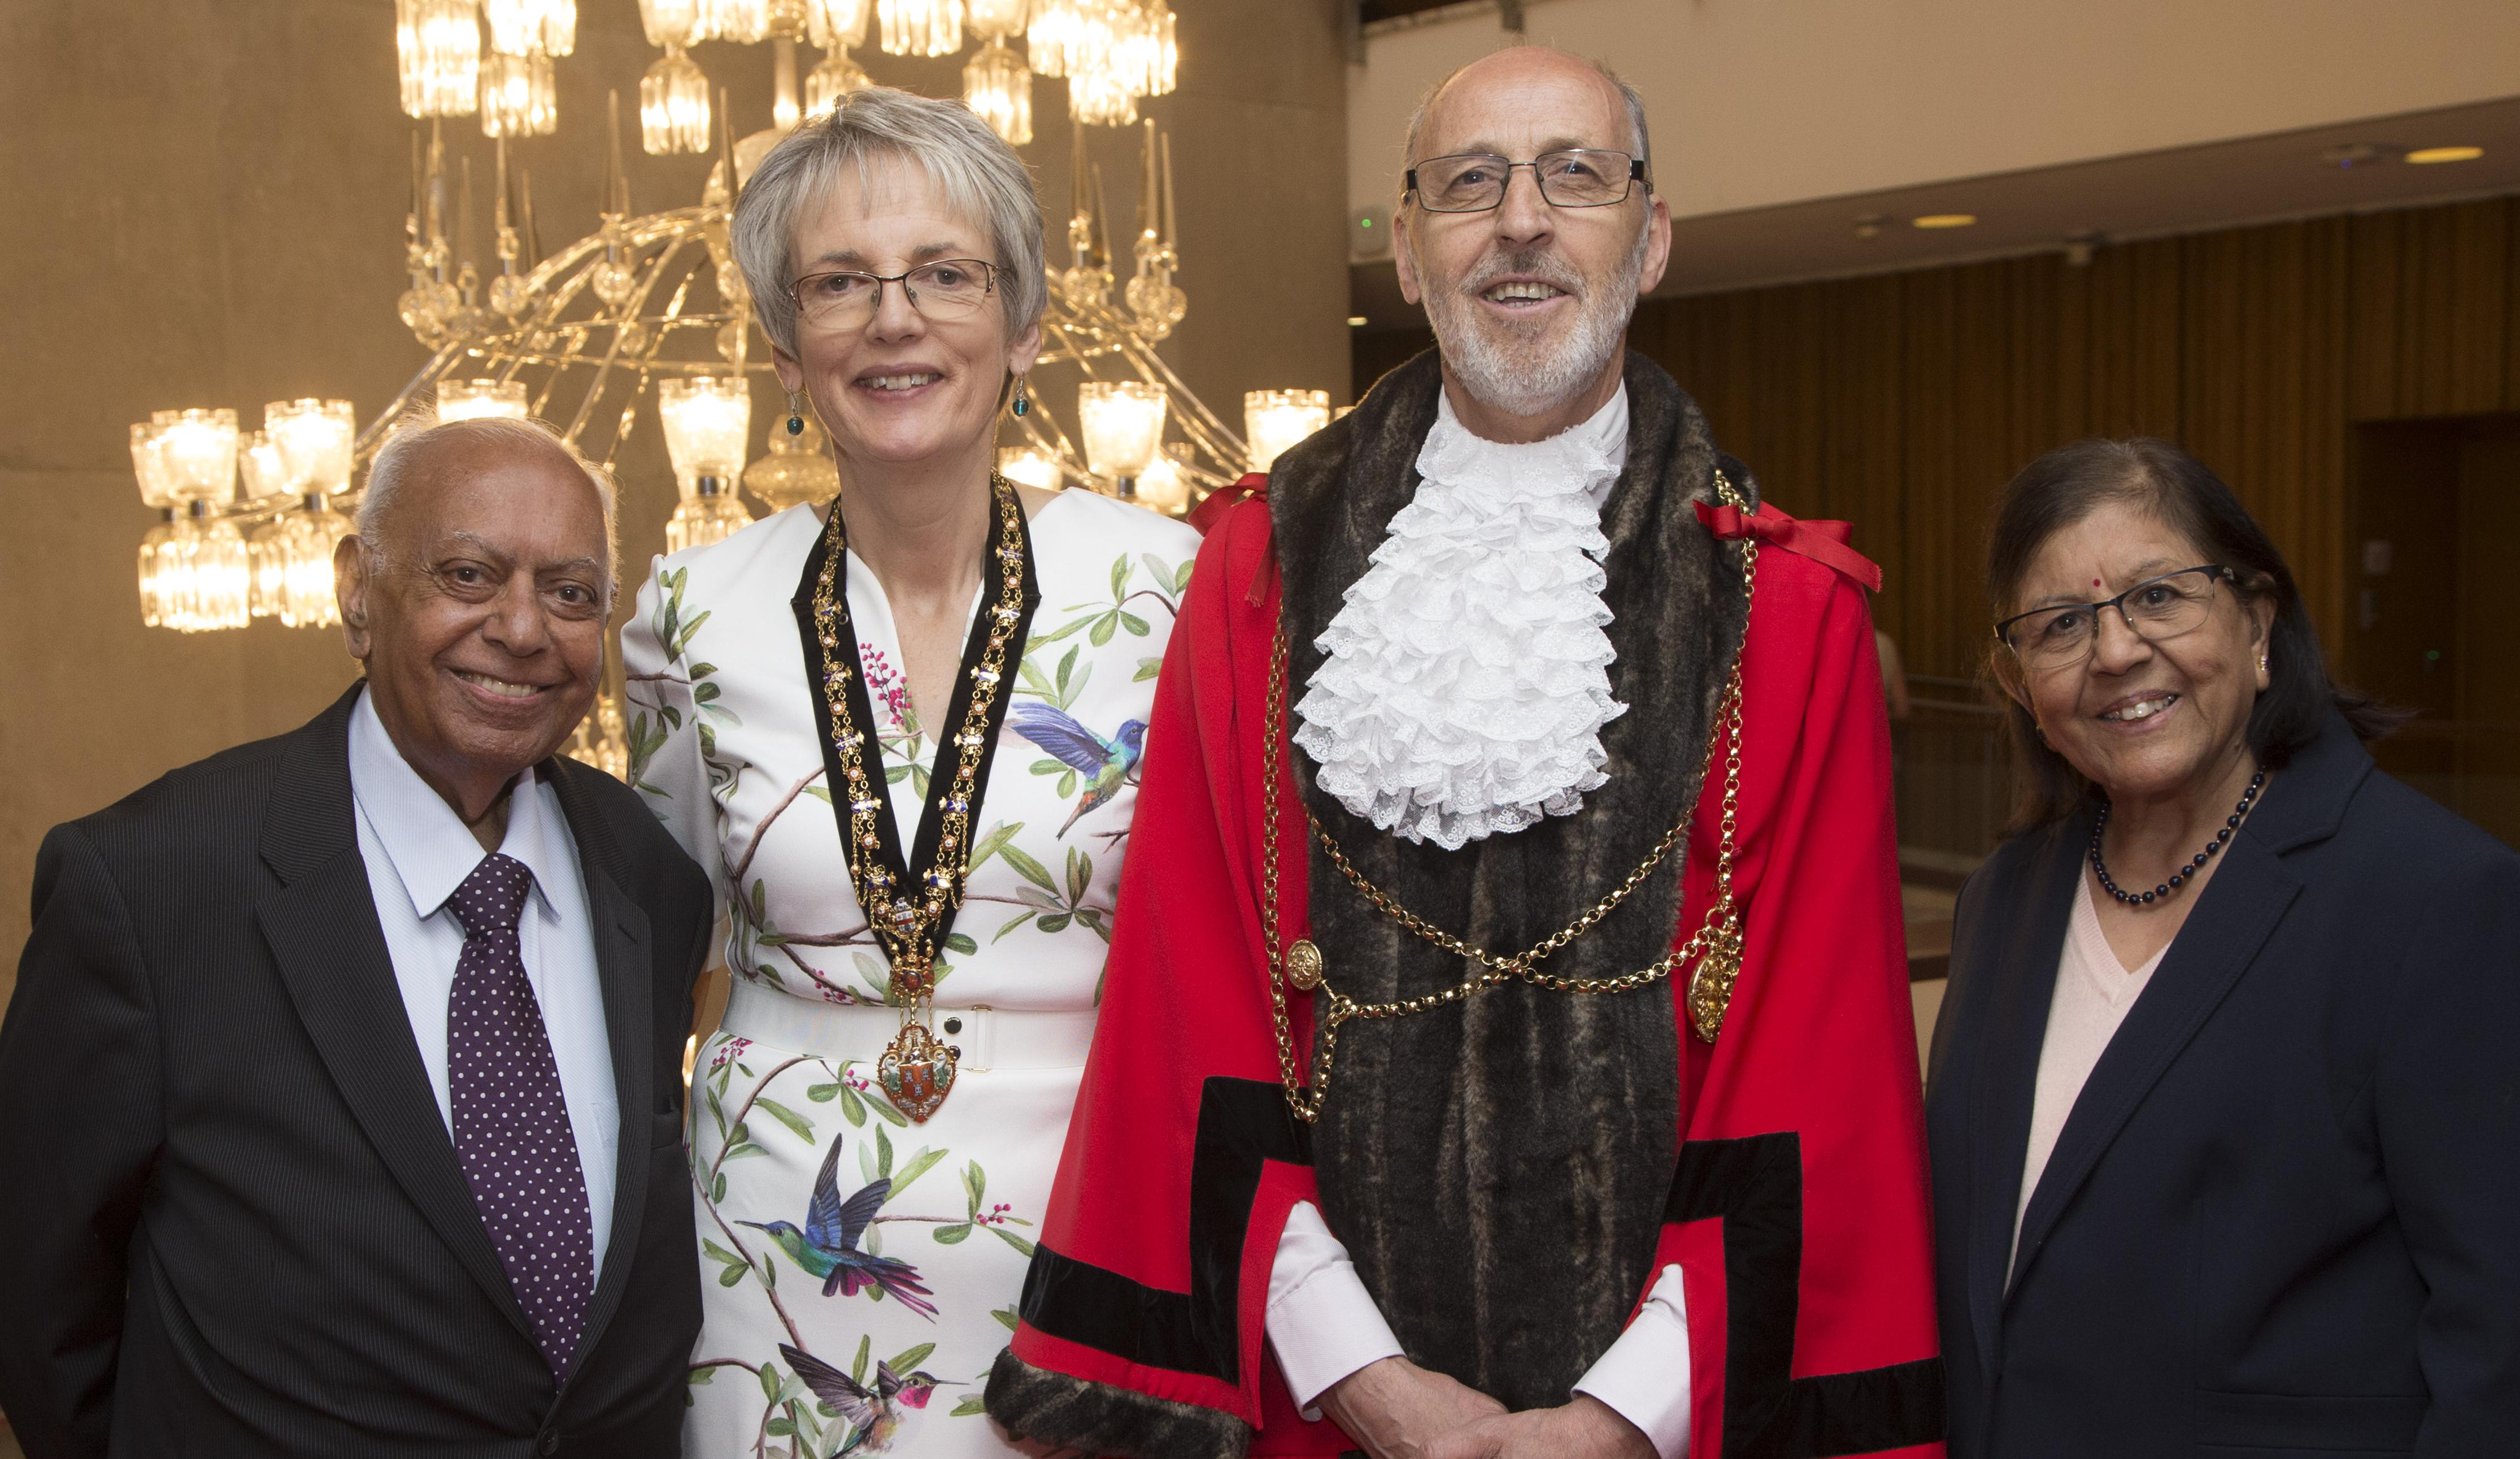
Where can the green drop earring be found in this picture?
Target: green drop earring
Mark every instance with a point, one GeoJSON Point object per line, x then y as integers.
{"type": "Point", "coordinates": [1022, 405]}
{"type": "Point", "coordinates": [795, 413]}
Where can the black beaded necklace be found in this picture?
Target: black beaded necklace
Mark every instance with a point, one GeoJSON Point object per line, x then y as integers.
{"type": "Point", "coordinates": [2239, 813]}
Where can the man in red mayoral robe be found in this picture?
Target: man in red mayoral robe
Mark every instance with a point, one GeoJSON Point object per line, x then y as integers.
{"type": "Point", "coordinates": [1505, 1049]}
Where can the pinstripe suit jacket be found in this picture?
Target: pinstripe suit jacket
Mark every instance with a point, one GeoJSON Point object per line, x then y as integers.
{"type": "Point", "coordinates": [233, 1223]}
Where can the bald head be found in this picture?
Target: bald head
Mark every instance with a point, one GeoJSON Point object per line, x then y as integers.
{"type": "Point", "coordinates": [1521, 75]}
{"type": "Point", "coordinates": [429, 450]}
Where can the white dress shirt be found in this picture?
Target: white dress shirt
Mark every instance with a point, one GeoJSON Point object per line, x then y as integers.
{"type": "Point", "coordinates": [1323, 1325]}
{"type": "Point", "coordinates": [418, 851]}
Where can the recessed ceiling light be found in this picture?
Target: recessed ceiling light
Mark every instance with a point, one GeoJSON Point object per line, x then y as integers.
{"type": "Point", "coordinates": [1358, 321]}
{"type": "Point", "coordinates": [1944, 220]}
{"type": "Point", "coordinates": [2445, 154]}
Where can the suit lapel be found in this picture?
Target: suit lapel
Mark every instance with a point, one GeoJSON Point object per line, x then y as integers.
{"type": "Point", "coordinates": [2233, 918]}
{"type": "Point", "coordinates": [2021, 977]}
{"type": "Point", "coordinates": [321, 926]}
{"type": "Point", "coordinates": [625, 963]}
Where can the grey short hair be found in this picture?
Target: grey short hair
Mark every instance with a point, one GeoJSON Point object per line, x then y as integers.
{"type": "Point", "coordinates": [420, 430]}
{"type": "Point", "coordinates": [979, 173]}
{"type": "Point", "coordinates": [1426, 104]}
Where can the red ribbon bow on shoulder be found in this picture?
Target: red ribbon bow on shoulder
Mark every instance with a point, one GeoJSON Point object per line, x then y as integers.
{"type": "Point", "coordinates": [1823, 542]}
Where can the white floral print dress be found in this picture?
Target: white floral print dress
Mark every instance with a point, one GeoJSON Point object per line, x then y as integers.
{"type": "Point", "coordinates": [726, 750]}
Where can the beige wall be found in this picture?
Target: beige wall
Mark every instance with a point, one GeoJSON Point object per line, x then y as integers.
{"type": "Point", "coordinates": [206, 202]}
{"type": "Point", "coordinates": [1757, 103]}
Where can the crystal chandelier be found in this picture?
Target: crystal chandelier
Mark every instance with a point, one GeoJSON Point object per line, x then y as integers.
{"type": "Point", "coordinates": [1123, 425]}
{"type": "Point", "coordinates": [706, 419]}
{"type": "Point", "coordinates": [194, 572]}
{"type": "Point", "coordinates": [580, 333]}
{"type": "Point", "coordinates": [675, 23]}
{"type": "Point", "coordinates": [531, 27]}
{"type": "Point", "coordinates": [1114, 53]}
{"type": "Point", "coordinates": [1030, 465]}
{"type": "Point", "coordinates": [674, 106]}
{"type": "Point", "coordinates": [998, 86]}
{"type": "Point", "coordinates": [797, 470]}
{"type": "Point", "coordinates": [744, 21]}
{"type": "Point", "coordinates": [838, 23]}
{"type": "Point", "coordinates": [291, 561]}
{"type": "Point", "coordinates": [439, 43]}
{"type": "Point", "coordinates": [601, 739]}
{"type": "Point", "coordinates": [519, 96]}
{"type": "Point", "coordinates": [470, 399]}
{"type": "Point", "coordinates": [1274, 420]}
{"type": "Point", "coordinates": [920, 27]}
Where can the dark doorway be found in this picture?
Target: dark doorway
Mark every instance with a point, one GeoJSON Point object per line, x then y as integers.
{"type": "Point", "coordinates": [2434, 558]}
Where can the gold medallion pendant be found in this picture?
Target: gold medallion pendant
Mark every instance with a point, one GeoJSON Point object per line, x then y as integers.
{"type": "Point", "coordinates": [1304, 966]}
{"type": "Point", "coordinates": [1710, 989]}
{"type": "Point", "coordinates": [916, 1071]}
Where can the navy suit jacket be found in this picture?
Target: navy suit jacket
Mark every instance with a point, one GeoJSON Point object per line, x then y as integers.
{"type": "Point", "coordinates": [2283, 1217]}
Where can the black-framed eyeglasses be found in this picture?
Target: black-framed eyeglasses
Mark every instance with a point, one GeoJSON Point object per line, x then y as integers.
{"type": "Point", "coordinates": [946, 288]}
{"type": "Point", "coordinates": [1475, 181]}
{"type": "Point", "coordinates": [2156, 609]}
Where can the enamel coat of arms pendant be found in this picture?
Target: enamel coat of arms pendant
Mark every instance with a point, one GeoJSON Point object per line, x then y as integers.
{"type": "Point", "coordinates": [916, 1071]}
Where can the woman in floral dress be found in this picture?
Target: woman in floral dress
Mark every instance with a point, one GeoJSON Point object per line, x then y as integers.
{"type": "Point", "coordinates": [958, 672]}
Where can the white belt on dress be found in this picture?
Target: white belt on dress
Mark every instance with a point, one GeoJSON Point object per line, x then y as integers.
{"type": "Point", "coordinates": [989, 1037]}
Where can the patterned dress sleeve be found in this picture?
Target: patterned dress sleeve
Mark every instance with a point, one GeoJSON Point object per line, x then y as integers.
{"type": "Point", "coordinates": [669, 744]}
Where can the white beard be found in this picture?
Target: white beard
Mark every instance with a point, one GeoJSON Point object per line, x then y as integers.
{"type": "Point", "coordinates": [1512, 374]}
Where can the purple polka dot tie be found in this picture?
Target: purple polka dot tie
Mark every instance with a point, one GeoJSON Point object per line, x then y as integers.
{"type": "Point", "coordinates": [511, 1130]}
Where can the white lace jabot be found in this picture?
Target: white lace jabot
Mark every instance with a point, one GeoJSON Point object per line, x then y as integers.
{"type": "Point", "coordinates": [1467, 678]}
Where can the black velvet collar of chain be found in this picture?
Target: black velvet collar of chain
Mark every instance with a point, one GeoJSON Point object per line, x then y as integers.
{"type": "Point", "coordinates": [909, 871]}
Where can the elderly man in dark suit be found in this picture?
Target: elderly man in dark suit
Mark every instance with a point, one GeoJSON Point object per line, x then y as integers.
{"type": "Point", "coordinates": [341, 1082]}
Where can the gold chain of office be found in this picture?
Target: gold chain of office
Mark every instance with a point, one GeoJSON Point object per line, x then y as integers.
{"type": "Point", "coordinates": [917, 1068]}
{"type": "Point", "coordinates": [1716, 946]}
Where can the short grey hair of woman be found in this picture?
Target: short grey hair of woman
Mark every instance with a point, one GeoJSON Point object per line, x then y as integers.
{"type": "Point", "coordinates": [979, 173]}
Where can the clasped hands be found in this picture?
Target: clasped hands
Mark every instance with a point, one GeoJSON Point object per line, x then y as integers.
{"type": "Point", "coordinates": [1398, 1410]}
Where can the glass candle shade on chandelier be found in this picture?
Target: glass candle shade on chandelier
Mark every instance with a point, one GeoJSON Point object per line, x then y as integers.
{"type": "Point", "coordinates": [1030, 465]}
{"type": "Point", "coordinates": [1123, 424]}
{"type": "Point", "coordinates": [1274, 420]}
{"type": "Point", "coordinates": [707, 419]}
{"type": "Point", "coordinates": [215, 560]}
{"type": "Point", "coordinates": [471, 399]}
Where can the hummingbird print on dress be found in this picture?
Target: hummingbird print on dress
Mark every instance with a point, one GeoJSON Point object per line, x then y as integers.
{"type": "Point", "coordinates": [1106, 765]}
{"type": "Point", "coordinates": [827, 1247]}
{"type": "Point", "coordinates": [874, 1417]}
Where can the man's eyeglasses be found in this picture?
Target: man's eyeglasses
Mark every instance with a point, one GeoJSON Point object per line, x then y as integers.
{"type": "Point", "coordinates": [947, 288]}
{"type": "Point", "coordinates": [1475, 181]}
{"type": "Point", "coordinates": [2158, 608]}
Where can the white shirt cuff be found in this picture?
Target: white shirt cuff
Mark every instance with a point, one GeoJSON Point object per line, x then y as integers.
{"type": "Point", "coordinates": [1644, 1377]}
{"type": "Point", "coordinates": [1322, 1321]}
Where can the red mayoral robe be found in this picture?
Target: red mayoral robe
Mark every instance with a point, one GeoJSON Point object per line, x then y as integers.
{"type": "Point", "coordinates": [1798, 1210]}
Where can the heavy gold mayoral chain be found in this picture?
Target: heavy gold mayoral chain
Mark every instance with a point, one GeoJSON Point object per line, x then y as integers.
{"type": "Point", "coordinates": [1716, 946]}
{"type": "Point", "coordinates": [916, 1070]}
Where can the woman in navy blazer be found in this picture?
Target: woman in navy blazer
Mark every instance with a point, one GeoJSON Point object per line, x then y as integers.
{"type": "Point", "coordinates": [2226, 1157]}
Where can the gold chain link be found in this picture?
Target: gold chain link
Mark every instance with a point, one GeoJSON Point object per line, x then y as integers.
{"type": "Point", "coordinates": [1717, 942]}
{"type": "Point", "coordinates": [907, 929]}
